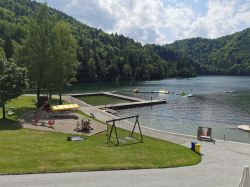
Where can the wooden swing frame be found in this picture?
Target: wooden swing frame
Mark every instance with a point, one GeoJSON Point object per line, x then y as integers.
{"type": "Point", "coordinates": [113, 127]}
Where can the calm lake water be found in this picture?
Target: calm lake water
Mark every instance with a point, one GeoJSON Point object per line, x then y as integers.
{"type": "Point", "coordinates": [210, 105]}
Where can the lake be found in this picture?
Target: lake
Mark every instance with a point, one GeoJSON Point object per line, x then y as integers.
{"type": "Point", "coordinates": [210, 105]}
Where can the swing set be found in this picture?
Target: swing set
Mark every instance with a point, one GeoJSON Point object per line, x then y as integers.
{"type": "Point", "coordinates": [111, 126]}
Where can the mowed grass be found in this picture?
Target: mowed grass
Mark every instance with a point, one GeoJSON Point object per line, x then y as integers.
{"type": "Point", "coordinates": [30, 151]}
{"type": "Point", "coordinates": [96, 100]}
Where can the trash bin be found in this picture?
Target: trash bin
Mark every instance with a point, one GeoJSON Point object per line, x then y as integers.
{"type": "Point", "coordinates": [193, 145]}
{"type": "Point", "coordinates": [197, 148]}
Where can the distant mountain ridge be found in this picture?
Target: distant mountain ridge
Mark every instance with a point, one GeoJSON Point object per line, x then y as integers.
{"type": "Point", "coordinates": [226, 55]}
{"type": "Point", "coordinates": [105, 57]}
{"type": "Point", "coordinates": [102, 56]}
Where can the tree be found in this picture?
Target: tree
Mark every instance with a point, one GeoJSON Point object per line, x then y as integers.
{"type": "Point", "coordinates": [8, 47]}
{"type": "Point", "coordinates": [13, 80]}
{"type": "Point", "coordinates": [127, 72]}
{"type": "Point", "coordinates": [64, 61]}
{"type": "Point", "coordinates": [91, 69]}
{"type": "Point", "coordinates": [113, 72]}
{"type": "Point", "coordinates": [37, 47]}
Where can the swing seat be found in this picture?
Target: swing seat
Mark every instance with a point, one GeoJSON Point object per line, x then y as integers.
{"type": "Point", "coordinates": [129, 138]}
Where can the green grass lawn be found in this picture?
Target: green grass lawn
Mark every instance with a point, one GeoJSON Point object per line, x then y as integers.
{"type": "Point", "coordinates": [30, 151]}
{"type": "Point", "coordinates": [101, 100]}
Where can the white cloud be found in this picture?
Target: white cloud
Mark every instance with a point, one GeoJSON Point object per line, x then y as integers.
{"type": "Point", "coordinates": [222, 18]}
{"type": "Point", "coordinates": [160, 21]}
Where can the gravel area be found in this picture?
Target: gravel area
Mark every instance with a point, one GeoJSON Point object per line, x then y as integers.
{"type": "Point", "coordinates": [64, 122]}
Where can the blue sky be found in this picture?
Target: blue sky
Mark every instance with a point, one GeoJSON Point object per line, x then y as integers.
{"type": "Point", "coordinates": [160, 21]}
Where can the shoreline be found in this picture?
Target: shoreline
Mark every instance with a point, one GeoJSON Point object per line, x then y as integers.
{"type": "Point", "coordinates": [104, 116]}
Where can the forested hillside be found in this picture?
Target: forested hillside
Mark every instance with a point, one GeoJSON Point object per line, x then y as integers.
{"type": "Point", "coordinates": [105, 57]}
{"type": "Point", "coordinates": [226, 55]}
{"type": "Point", "coordinates": [102, 56]}
{"type": "Point", "coordinates": [182, 64]}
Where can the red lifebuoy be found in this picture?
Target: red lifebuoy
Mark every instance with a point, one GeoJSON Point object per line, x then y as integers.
{"type": "Point", "coordinates": [51, 122]}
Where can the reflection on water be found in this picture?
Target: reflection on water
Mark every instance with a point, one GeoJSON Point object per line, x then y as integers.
{"type": "Point", "coordinates": [211, 106]}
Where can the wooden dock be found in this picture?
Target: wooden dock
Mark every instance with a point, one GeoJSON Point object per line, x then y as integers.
{"type": "Point", "coordinates": [110, 94]}
{"type": "Point", "coordinates": [110, 108]}
{"type": "Point", "coordinates": [133, 104]}
{"type": "Point", "coordinates": [123, 97]}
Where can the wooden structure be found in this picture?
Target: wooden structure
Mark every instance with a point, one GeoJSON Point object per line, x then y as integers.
{"type": "Point", "coordinates": [113, 128]}
{"type": "Point", "coordinates": [204, 133]}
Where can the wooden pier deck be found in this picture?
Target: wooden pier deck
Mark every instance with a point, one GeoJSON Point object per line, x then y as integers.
{"type": "Point", "coordinates": [133, 99]}
{"type": "Point", "coordinates": [123, 97]}
{"type": "Point", "coordinates": [135, 102]}
{"type": "Point", "coordinates": [109, 110]}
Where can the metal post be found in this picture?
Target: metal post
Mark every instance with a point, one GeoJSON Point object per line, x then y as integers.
{"type": "Point", "coordinates": [117, 140]}
{"type": "Point", "coordinates": [110, 132]}
{"type": "Point", "coordinates": [132, 132]}
{"type": "Point", "coordinates": [107, 132]}
{"type": "Point", "coordinates": [139, 129]}
{"type": "Point", "coordinates": [137, 122]}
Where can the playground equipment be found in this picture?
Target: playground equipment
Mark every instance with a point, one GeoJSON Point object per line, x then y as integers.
{"type": "Point", "coordinates": [113, 127]}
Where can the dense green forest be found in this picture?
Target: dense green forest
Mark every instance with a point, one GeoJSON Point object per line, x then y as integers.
{"type": "Point", "coordinates": [228, 55]}
{"type": "Point", "coordinates": [105, 57]}
{"type": "Point", "coordinates": [102, 56]}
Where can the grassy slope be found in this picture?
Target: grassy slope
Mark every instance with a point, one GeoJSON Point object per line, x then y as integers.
{"type": "Point", "coordinates": [29, 151]}
{"type": "Point", "coordinates": [101, 100]}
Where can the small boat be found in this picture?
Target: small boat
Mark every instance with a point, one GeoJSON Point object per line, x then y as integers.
{"type": "Point", "coordinates": [163, 91]}
{"type": "Point", "coordinates": [183, 93]}
{"type": "Point", "coordinates": [244, 127]}
{"type": "Point", "coordinates": [160, 91]}
{"type": "Point", "coordinates": [136, 90]}
{"type": "Point", "coordinates": [231, 92]}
